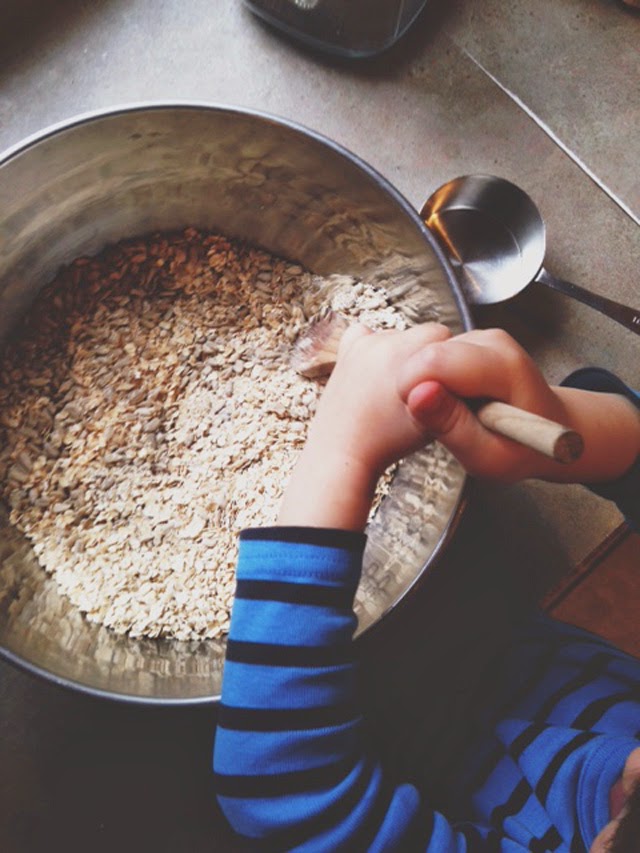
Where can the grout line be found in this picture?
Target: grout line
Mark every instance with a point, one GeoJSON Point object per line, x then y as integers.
{"type": "Point", "coordinates": [555, 138]}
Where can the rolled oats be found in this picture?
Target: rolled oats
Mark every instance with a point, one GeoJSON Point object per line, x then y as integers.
{"type": "Point", "coordinates": [148, 413]}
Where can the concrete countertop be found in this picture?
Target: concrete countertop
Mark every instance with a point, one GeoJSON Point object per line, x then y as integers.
{"type": "Point", "coordinates": [543, 94]}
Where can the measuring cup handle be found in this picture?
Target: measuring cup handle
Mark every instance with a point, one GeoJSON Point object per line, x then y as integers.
{"type": "Point", "coordinates": [623, 314]}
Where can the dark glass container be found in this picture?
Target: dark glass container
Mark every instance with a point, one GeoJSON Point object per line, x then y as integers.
{"type": "Point", "coordinates": [353, 28]}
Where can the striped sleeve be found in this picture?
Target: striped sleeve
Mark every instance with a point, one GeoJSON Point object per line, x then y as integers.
{"type": "Point", "coordinates": [291, 769]}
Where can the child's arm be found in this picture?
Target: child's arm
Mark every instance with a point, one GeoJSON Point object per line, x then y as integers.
{"type": "Point", "coordinates": [290, 763]}
{"type": "Point", "coordinates": [289, 759]}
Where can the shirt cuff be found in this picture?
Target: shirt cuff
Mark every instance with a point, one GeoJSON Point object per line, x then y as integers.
{"type": "Point", "coordinates": [301, 555]}
{"type": "Point", "coordinates": [600, 772]}
{"type": "Point", "coordinates": [625, 491]}
{"type": "Point", "coordinates": [329, 537]}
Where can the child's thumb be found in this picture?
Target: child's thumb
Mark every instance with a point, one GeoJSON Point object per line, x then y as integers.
{"type": "Point", "coordinates": [446, 418]}
{"type": "Point", "coordinates": [433, 407]}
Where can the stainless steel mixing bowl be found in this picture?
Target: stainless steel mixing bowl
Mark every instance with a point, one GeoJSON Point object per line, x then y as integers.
{"type": "Point", "coordinates": [101, 177]}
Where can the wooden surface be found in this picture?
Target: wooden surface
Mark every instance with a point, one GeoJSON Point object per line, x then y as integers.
{"type": "Point", "coordinates": [605, 596]}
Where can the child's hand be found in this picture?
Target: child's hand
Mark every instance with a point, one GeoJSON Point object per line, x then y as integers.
{"type": "Point", "coordinates": [362, 413]}
{"type": "Point", "coordinates": [440, 382]}
{"type": "Point", "coordinates": [392, 392]}
{"type": "Point", "coordinates": [491, 364]}
{"type": "Point", "coordinates": [361, 426]}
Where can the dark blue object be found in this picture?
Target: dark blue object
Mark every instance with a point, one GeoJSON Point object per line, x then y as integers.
{"type": "Point", "coordinates": [353, 28]}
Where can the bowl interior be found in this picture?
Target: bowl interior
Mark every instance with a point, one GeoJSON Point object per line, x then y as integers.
{"type": "Point", "coordinates": [125, 173]}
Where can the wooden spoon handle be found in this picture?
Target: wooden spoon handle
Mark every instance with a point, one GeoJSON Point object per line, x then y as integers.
{"type": "Point", "coordinates": [545, 436]}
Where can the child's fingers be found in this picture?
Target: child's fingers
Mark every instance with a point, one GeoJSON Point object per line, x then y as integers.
{"type": "Point", "coordinates": [512, 361]}
{"type": "Point", "coordinates": [446, 418]}
{"type": "Point", "coordinates": [465, 368]}
{"type": "Point", "coordinates": [424, 334]}
{"type": "Point", "coordinates": [432, 406]}
{"type": "Point", "coordinates": [405, 343]}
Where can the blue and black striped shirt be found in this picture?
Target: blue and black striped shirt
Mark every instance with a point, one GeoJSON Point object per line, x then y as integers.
{"type": "Point", "coordinates": [294, 771]}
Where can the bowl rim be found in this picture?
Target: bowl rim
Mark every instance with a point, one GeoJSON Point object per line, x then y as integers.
{"type": "Point", "coordinates": [271, 118]}
{"type": "Point", "coordinates": [408, 209]}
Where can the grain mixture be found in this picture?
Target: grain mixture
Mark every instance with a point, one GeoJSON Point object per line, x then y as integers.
{"type": "Point", "coordinates": [148, 413]}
